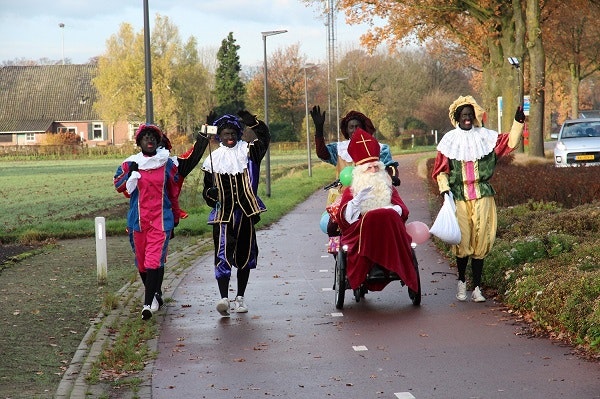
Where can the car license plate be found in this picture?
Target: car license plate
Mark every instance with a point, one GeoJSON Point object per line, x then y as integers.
{"type": "Point", "coordinates": [584, 157]}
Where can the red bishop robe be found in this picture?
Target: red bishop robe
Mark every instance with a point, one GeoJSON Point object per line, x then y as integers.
{"type": "Point", "coordinates": [378, 237]}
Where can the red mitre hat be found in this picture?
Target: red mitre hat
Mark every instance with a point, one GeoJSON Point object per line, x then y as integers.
{"type": "Point", "coordinates": [363, 147]}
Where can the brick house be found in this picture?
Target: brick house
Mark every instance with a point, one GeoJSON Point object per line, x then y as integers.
{"type": "Point", "coordinates": [46, 99]}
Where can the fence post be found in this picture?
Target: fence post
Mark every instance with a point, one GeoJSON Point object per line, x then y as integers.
{"type": "Point", "coordinates": [101, 262]}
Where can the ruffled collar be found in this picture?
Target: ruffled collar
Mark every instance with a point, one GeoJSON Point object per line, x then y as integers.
{"type": "Point", "coordinates": [342, 149]}
{"type": "Point", "coordinates": [227, 160]}
{"type": "Point", "coordinates": [148, 163]}
{"type": "Point", "coordinates": [468, 145]}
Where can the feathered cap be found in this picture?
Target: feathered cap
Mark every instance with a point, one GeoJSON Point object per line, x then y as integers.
{"type": "Point", "coordinates": [229, 121]}
{"type": "Point", "coordinates": [366, 123]}
{"type": "Point", "coordinates": [147, 127]}
{"type": "Point", "coordinates": [457, 106]}
{"type": "Point", "coordinates": [363, 147]}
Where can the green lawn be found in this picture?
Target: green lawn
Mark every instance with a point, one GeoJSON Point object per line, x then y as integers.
{"type": "Point", "coordinates": [43, 199]}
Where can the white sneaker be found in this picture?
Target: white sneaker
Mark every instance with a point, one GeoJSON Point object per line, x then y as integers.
{"type": "Point", "coordinates": [155, 305]}
{"type": "Point", "coordinates": [239, 305]}
{"type": "Point", "coordinates": [461, 294]}
{"type": "Point", "coordinates": [223, 306]}
{"type": "Point", "coordinates": [476, 295]}
{"type": "Point", "coordinates": [146, 312]}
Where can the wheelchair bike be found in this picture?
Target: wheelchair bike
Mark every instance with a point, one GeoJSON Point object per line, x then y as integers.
{"type": "Point", "coordinates": [376, 280]}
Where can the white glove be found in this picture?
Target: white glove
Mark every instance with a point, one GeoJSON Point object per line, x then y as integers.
{"type": "Point", "coordinates": [131, 183]}
{"type": "Point", "coordinates": [362, 195]}
{"type": "Point", "coordinates": [352, 211]}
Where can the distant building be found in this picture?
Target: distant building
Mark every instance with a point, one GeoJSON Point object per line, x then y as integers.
{"type": "Point", "coordinates": [47, 99]}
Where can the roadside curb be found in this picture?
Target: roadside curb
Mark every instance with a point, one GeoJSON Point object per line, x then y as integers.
{"type": "Point", "coordinates": [74, 384]}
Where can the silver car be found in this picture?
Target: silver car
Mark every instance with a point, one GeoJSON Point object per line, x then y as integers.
{"type": "Point", "coordinates": [578, 143]}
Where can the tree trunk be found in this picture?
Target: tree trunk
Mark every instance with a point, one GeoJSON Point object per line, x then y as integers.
{"type": "Point", "coordinates": [537, 76]}
{"type": "Point", "coordinates": [492, 88]}
{"type": "Point", "coordinates": [575, 80]}
{"type": "Point", "coordinates": [499, 78]}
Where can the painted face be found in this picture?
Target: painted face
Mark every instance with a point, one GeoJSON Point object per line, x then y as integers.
{"type": "Point", "coordinates": [148, 142]}
{"type": "Point", "coordinates": [352, 125]}
{"type": "Point", "coordinates": [228, 137]}
{"type": "Point", "coordinates": [466, 118]}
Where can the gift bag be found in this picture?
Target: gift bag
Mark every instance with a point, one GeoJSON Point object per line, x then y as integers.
{"type": "Point", "coordinates": [334, 201]}
{"type": "Point", "coordinates": [445, 227]}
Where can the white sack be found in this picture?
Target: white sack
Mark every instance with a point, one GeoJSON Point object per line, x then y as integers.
{"type": "Point", "coordinates": [445, 227]}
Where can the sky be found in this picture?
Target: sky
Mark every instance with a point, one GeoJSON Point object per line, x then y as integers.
{"type": "Point", "coordinates": [31, 29]}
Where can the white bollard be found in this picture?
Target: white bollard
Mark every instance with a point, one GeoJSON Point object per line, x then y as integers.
{"type": "Point", "coordinates": [101, 263]}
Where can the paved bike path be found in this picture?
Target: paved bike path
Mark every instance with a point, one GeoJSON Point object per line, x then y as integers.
{"type": "Point", "coordinates": [294, 343]}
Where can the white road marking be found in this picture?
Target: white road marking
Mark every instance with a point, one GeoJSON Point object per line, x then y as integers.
{"type": "Point", "coordinates": [323, 271]}
{"type": "Point", "coordinates": [359, 348]}
{"type": "Point", "coordinates": [326, 289]}
{"type": "Point", "coordinates": [404, 395]}
{"type": "Point", "coordinates": [337, 314]}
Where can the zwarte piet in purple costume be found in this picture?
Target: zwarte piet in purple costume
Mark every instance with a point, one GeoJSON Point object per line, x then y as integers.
{"type": "Point", "coordinates": [231, 175]}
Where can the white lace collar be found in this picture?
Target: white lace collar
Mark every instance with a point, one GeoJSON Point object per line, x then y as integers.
{"type": "Point", "coordinates": [468, 145]}
{"type": "Point", "coordinates": [227, 160]}
{"type": "Point", "coordinates": [342, 149]}
{"type": "Point", "coordinates": [147, 163]}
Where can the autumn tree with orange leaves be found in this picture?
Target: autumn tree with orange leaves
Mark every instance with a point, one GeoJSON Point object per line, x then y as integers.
{"type": "Point", "coordinates": [571, 32]}
{"type": "Point", "coordinates": [487, 31]}
{"type": "Point", "coordinates": [285, 76]}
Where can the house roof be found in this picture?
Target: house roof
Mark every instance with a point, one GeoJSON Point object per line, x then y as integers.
{"type": "Point", "coordinates": [33, 97]}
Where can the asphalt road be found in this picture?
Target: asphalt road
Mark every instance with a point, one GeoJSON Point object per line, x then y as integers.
{"type": "Point", "coordinates": [294, 343]}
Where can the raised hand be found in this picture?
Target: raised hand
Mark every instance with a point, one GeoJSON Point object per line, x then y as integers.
{"type": "Point", "coordinates": [248, 119]}
{"type": "Point", "coordinates": [211, 117]}
{"type": "Point", "coordinates": [520, 115]}
{"type": "Point", "coordinates": [318, 119]}
{"type": "Point", "coordinates": [363, 195]}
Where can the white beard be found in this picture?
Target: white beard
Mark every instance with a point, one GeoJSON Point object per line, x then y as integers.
{"type": "Point", "coordinates": [380, 196]}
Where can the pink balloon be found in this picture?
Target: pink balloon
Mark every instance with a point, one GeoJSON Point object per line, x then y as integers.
{"type": "Point", "coordinates": [418, 231]}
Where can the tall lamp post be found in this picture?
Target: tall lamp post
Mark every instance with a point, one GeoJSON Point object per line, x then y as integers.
{"type": "Point", "coordinates": [148, 66]}
{"type": "Point", "coordinates": [62, 30]}
{"type": "Point", "coordinates": [268, 154]}
{"type": "Point", "coordinates": [309, 65]}
{"type": "Point", "coordinates": [337, 104]}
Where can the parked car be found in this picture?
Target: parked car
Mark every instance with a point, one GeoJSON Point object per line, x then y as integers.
{"type": "Point", "coordinates": [578, 143]}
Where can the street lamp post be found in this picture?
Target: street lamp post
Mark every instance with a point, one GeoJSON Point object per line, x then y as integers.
{"type": "Point", "coordinates": [148, 66]}
{"type": "Point", "coordinates": [337, 104]}
{"type": "Point", "coordinates": [307, 128]}
{"type": "Point", "coordinates": [62, 30]}
{"type": "Point", "coordinates": [268, 154]}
